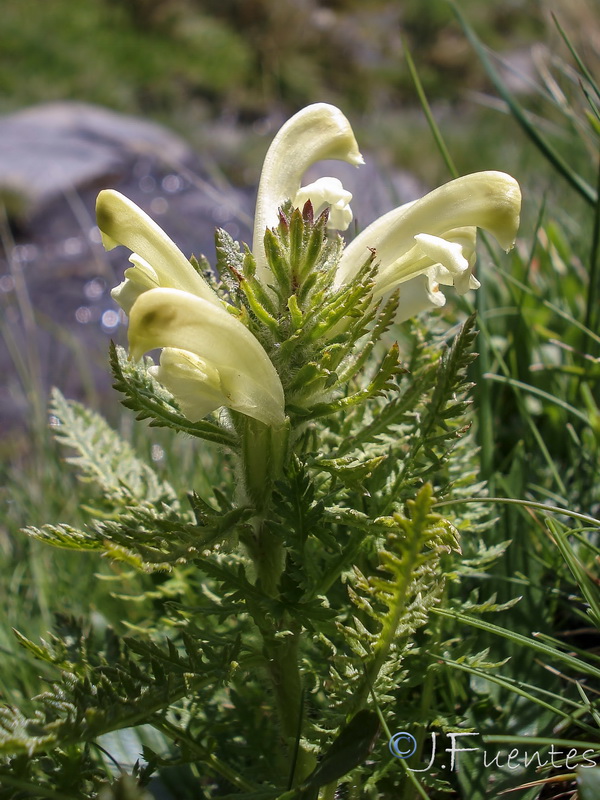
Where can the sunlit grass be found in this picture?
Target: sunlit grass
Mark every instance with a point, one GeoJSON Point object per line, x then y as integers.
{"type": "Point", "coordinates": [538, 426]}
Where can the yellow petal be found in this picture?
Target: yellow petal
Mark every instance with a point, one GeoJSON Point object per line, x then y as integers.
{"type": "Point", "coordinates": [318, 132]}
{"type": "Point", "coordinates": [121, 222]}
{"type": "Point", "coordinates": [172, 318]}
{"type": "Point", "coordinates": [194, 383]}
{"type": "Point", "coordinates": [138, 279]}
{"type": "Point", "coordinates": [488, 200]}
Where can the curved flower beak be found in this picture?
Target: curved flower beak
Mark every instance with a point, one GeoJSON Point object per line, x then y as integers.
{"type": "Point", "coordinates": [157, 261]}
{"type": "Point", "coordinates": [211, 359]}
{"type": "Point", "coordinates": [320, 131]}
{"type": "Point", "coordinates": [435, 236]}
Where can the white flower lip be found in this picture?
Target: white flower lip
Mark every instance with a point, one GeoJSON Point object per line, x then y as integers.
{"type": "Point", "coordinates": [327, 193]}
{"type": "Point", "coordinates": [219, 344]}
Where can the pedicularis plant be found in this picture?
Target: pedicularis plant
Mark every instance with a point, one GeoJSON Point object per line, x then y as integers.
{"type": "Point", "coordinates": [293, 617]}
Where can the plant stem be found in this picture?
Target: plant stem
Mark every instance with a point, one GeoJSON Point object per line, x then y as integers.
{"type": "Point", "coordinates": [263, 457]}
{"type": "Point", "coordinates": [282, 657]}
{"type": "Point", "coordinates": [210, 759]}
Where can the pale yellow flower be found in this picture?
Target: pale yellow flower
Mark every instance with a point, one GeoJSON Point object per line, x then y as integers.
{"type": "Point", "coordinates": [315, 133]}
{"type": "Point", "coordinates": [431, 242]}
{"type": "Point", "coordinates": [210, 358]}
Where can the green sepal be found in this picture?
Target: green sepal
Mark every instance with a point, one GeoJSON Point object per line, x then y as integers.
{"type": "Point", "coordinates": [352, 302]}
{"type": "Point", "coordinates": [309, 379]}
{"type": "Point", "coordinates": [263, 297]}
{"type": "Point", "coordinates": [382, 382]}
{"type": "Point", "coordinates": [237, 269]}
{"type": "Point", "coordinates": [314, 243]}
{"type": "Point", "coordinates": [297, 243]}
{"type": "Point", "coordinates": [256, 306]}
{"type": "Point", "coordinates": [230, 260]}
{"type": "Point", "coordinates": [278, 263]}
{"type": "Point", "coordinates": [296, 314]}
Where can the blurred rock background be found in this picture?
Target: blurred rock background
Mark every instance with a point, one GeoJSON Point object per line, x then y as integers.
{"type": "Point", "coordinates": [174, 102]}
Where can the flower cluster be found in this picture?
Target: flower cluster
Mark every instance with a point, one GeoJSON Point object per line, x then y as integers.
{"type": "Point", "coordinates": [210, 359]}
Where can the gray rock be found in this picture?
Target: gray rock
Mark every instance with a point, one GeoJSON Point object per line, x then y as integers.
{"type": "Point", "coordinates": [50, 150]}
{"type": "Point", "coordinates": [56, 157]}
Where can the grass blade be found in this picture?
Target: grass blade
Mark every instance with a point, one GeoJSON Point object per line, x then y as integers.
{"type": "Point", "coordinates": [575, 663]}
{"type": "Point", "coordinates": [556, 160]}
{"type": "Point", "coordinates": [437, 135]}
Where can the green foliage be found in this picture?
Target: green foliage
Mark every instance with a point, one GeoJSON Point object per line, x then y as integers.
{"type": "Point", "coordinates": [104, 458]}
{"type": "Point", "coordinates": [276, 623]}
{"type": "Point", "coordinates": [161, 56]}
{"type": "Point", "coordinates": [85, 52]}
{"type": "Point", "coordinates": [100, 689]}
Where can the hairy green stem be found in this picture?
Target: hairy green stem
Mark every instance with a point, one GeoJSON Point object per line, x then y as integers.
{"type": "Point", "coordinates": [282, 658]}
{"type": "Point", "coordinates": [263, 455]}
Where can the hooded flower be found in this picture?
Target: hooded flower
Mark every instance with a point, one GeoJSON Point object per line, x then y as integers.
{"type": "Point", "coordinates": [210, 359]}
{"type": "Point", "coordinates": [318, 132]}
{"type": "Point", "coordinates": [157, 261]}
{"type": "Point", "coordinates": [419, 247]}
{"type": "Point", "coordinates": [431, 242]}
